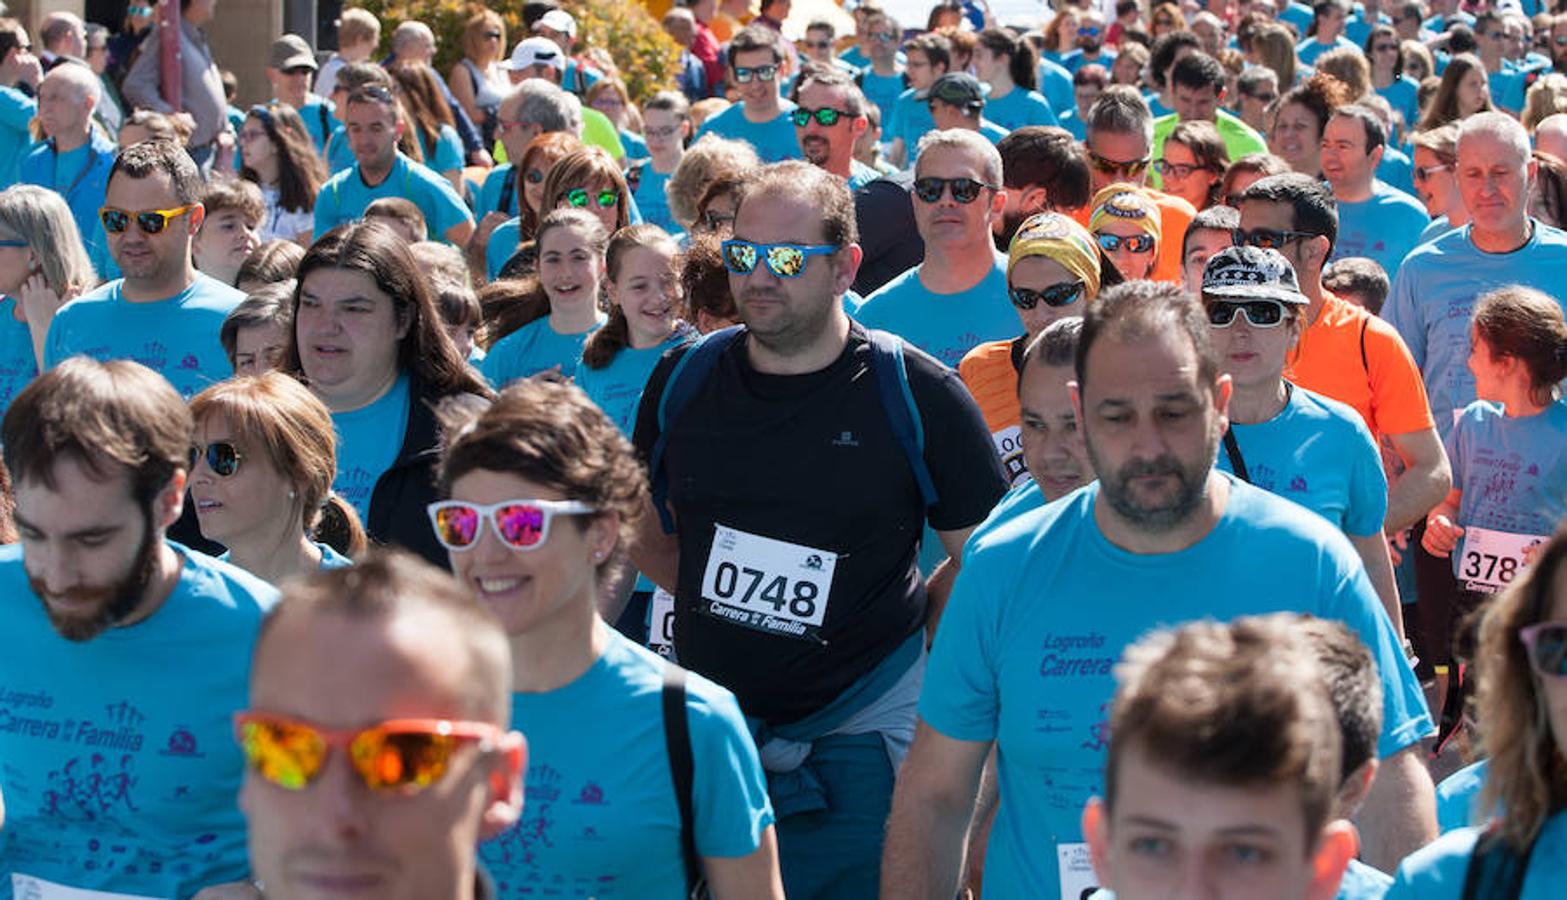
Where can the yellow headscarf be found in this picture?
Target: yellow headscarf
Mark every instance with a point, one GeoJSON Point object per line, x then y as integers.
{"type": "Point", "coordinates": [1061, 239]}
{"type": "Point", "coordinates": [1126, 203]}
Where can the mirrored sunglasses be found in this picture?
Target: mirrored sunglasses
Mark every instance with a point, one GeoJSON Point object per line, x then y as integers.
{"type": "Point", "coordinates": [150, 221]}
{"type": "Point", "coordinates": [783, 260]}
{"type": "Point", "coordinates": [398, 755]}
{"type": "Point", "coordinates": [520, 524]}
{"type": "Point", "coordinates": [1064, 294]}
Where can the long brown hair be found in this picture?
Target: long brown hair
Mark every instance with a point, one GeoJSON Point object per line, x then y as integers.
{"type": "Point", "coordinates": [559, 144]}
{"type": "Point", "coordinates": [1444, 106]}
{"type": "Point", "coordinates": [423, 105]}
{"type": "Point", "coordinates": [300, 171]}
{"type": "Point", "coordinates": [580, 169]}
{"type": "Point", "coordinates": [615, 335]}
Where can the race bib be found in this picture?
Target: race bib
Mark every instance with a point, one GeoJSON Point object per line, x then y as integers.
{"type": "Point", "coordinates": [1009, 446]}
{"type": "Point", "coordinates": [661, 624]}
{"type": "Point", "coordinates": [1078, 881]}
{"type": "Point", "coordinates": [767, 585]}
{"type": "Point", "coordinates": [27, 887]}
{"type": "Point", "coordinates": [1492, 559]}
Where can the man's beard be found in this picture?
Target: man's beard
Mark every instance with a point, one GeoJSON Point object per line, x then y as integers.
{"type": "Point", "coordinates": [109, 604]}
{"type": "Point", "coordinates": [1192, 485]}
{"type": "Point", "coordinates": [815, 150]}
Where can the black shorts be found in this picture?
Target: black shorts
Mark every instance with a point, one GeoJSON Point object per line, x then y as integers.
{"type": "Point", "coordinates": [1442, 622]}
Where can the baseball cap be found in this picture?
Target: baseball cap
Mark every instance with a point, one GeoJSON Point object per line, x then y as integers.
{"type": "Point", "coordinates": [557, 20]}
{"type": "Point", "coordinates": [535, 51]}
{"type": "Point", "coordinates": [290, 52]}
{"type": "Point", "coordinates": [957, 88]}
{"type": "Point", "coordinates": [1251, 273]}
{"type": "Point", "coordinates": [1060, 238]}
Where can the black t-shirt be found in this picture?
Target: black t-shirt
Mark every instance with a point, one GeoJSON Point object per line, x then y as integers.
{"type": "Point", "coordinates": [816, 577]}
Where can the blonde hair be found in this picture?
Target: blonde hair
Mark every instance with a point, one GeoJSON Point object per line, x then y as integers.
{"type": "Point", "coordinates": [41, 217]}
{"type": "Point", "coordinates": [356, 25]}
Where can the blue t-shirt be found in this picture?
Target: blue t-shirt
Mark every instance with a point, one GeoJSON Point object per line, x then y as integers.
{"type": "Point", "coordinates": [504, 241]}
{"type": "Point", "coordinates": [1055, 82]}
{"type": "Point", "coordinates": [1319, 453]}
{"type": "Point", "coordinates": [1458, 796]}
{"type": "Point", "coordinates": [368, 441]}
{"type": "Point", "coordinates": [910, 120]}
{"type": "Point", "coordinates": [493, 196]}
{"type": "Point", "coordinates": [1437, 870]}
{"type": "Point", "coordinates": [81, 176]}
{"type": "Point", "coordinates": [992, 132]}
{"type": "Point", "coordinates": [1042, 610]}
{"type": "Point", "coordinates": [1308, 50]}
{"type": "Point", "coordinates": [1512, 470]}
{"type": "Point", "coordinates": [636, 147]}
{"type": "Point", "coordinates": [176, 337]}
{"type": "Point", "coordinates": [1016, 501]}
{"type": "Point", "coordinates": [330, 559]}
{"type": "Point", "coordinates": [18, 362]}
{"type": "Point", "coordinates": [1402, 96]}
{"type": "Point", "coordinates": [1438, 227]}
{"type": "Point", "coordinates": [1358, 27]}
{"type": "Point", "coordinates": [1397, 170]}
{"type": "Point", "coordinates": [120, 764]}
{"type": "Point", "coordinates": [883, 90]}
{"type": "Point", "coordinates": [320, 117]}
{"type": "Point", "coordinates": [774, 140]}
{"type": "Point", "coordinates": [1384, 227]}
{"type": "Point", "coordinates": [946, 326]}
{"type": "Point", "coordinates": [16, 114]}
{"type": "Point", "coordinates": [600, 815]}
{"type": "Point", "coordinates": [652, 197]}
{"type": "Point", "coordinates": [1297, 14]}
{"type": "Point", "coordinates": [445, 154]}
{"type": "Point", "coordinates": [617, 388]}
{"type": "Point", "coordinates": [1433, 297]}
{"type": "Point", "coordinates": [1017, 108]}
{"type": "Point", "coordinates": [534, 348]}
{"type": "Point", "coordinates": [1078, 58]}
{"type": "Point", "coordinates": [339, 154]}
{"type": "Point", "coordinates": [1508, 88]}
{"type": "Point", "coordinates": [345, 195]}
{"type": "Point", "coordinates": [1074, 124]}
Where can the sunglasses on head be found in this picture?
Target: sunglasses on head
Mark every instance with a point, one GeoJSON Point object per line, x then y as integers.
{"type": "Point", "coordinates": [400, 755]}
{"type": "Point", "coordinates": [826, 117]}
{"type": "Point", "coordinates": [520, 524]}
{"type": "Point", "coordinates": [1137, 243]}
{"type": "Point", "coordinates": [222, 458]}
{"type": "Point", "coordinates": [606, 199]}
{"type": "Point", "coordinates": [1063, 294]}
{"type": "Point", "coordinates": [1260, 313]}
{"type": "Point", "coordinates": [964, 190]}
{"type": "Point", "coordinates": [150, 221]}
{"type": "Point", "coordinates": [744, 74]}
{"type": "Point", "coordinates": [783, 260]}
{"type": "Point", "coordinates": [1266, 238]}
{"type": "Point", "coordinates": [1547, 646]}
{"type": "Point", "coordinates": [1132, 167]}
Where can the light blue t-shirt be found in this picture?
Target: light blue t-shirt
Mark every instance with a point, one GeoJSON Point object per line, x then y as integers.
{"type": "Point", "coordinates": [1508, 89]}
{"type": "Point", "coordinates": [946, 326]}
{"type": "Point", "coordinates": [1074, 124]}
{"type": "Point", "coordinates": [910, 120]}
{"type": "Point", "coordinates": [345, 195]}
{"type": "Point", "coordinates": [1512, 470]}
{"type": "Point", "coordinates": [368, 441]}
{"type": "Point", "coordinates": [652, 196]}
{"type": "Point", "coordinates": [18, 362]}
{"type": "Point", "coordinates": [636, 146]}
{"type": "Point", "coordinates": [1458, 796]}
{"type": "Point", "coordinates": [883, 90]}
{"type": "Point", "coordinates": [493, 196]}
{"type": "Point", "coordinates": [445, 154]}
{"type": "Point", "coordinates": [992, 132]}
{"type": "Point", "coordinates": [330, 559]}
{"type": "Point", "coordinates": [1079, 58]}
{"type": "Point", "coordinates": [1433, 298]}
{"type": "Point", "coordinates": [1437, 870]}
{"type": "Point", "coordinates": [1308, 50]}
{"type": "Point", "coordinates": [1319, 453]}
{"type": "Point", "coordinates": [16, 113]}
{"type": "Point", "coordinates": [504, 241]}
{"type": "Point", "coordinates": [600, 815]}
{"type": "Point", "coordinates": [1042, 610]}
{"type": "Point", "coordinates": [1384, 227]}
{"type": "Point", "coordinates": [339, 154]}
{"type": "Point", "coordinates": [617, 388]}
{"type": "Point", "coordinates": [1438, 227]}
{"type": "Point", "coordinates": [120, 764]}
{"type": "Point", "coordinates": [1017, 108]}
{"type": "Point", "coordinates": [774, 140]}
{"type": "Point", "coordinates": [1357, 28]}
{"type": "Point", "coordinates": [1055, 82]}
{"type": "Point", "coordinates": [1297, 14]}
{"type": "Point", "coordinates": [81, 176]}
{"type": "Point", "coordinates": [534, 348]}
{"type": "Point", "coordinates": [1402, 95]}
{"type": "Point", "coordinates": [1017, 500]}
{"type": "Point", "coordinates": [176, 337]}
{"type": "Point", "coordinates": [1397, 171]}
{"type": "Point", "coordinates": [320, 117]}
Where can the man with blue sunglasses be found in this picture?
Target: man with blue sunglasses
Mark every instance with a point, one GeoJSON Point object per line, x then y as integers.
{"type": "Point", "coordinates": [761, 118]}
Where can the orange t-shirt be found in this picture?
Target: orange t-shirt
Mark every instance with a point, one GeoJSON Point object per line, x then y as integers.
{"type": "Point", "coordinates": [1357, 358]}
{"type": "Point", "coordinates": [1174, 215]}
{"type": "Point", "coordinates": [990, 373]}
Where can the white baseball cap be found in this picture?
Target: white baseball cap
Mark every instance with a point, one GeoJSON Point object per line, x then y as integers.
{"type": "Point", "coordinates": [536, 51]}
{"type": "Point", "coordinates": [557, 20]}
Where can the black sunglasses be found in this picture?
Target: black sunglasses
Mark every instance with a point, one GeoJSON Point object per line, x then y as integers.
{"type": "Point", "coordinates": [1267, 238]}
{"type": "Point", "coordinates": [1132, 167]}
{"type": "Point", "coordinates": [1063, 294]}
{"type": "Point", "coordinates": [964, 190]}
{"type": "Point", "coordinates": [222, 458]}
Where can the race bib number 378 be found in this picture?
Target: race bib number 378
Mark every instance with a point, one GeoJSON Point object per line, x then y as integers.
{"type": "Point", "coordinates": [768, 585]}
{"type": "Point", "coordinates": [1492, 559]}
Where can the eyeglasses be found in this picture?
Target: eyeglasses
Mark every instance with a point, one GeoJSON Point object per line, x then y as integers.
{"type": "Point", "coordinates": [14, 243]}
{"type": "Point", "coordinates": [659, 134]}
{"type": "Point", "coordinates": [1132, 167]}
{"type": "Point", "coordinates": [150, 221]}
{"type": "Point", "coordinates": [818, 45]}
{"type": "Point", "coordinates": [964, 190]}
{"type": "Point", "coordinates": [783, 260]}
{"type": "Point", "coordinates": [1179, 170]}
{"type": "Point", "coordinates": [1265, 96]}
{"type": "Point", "coordinates": [1137, 243]}
{"type": "Point", "coordinates": [1063, 294]}
{"type": "Point", "coordinates": [1424, 173]}
{"type": "Point", "coordinates": [1266, 238]}
{"type": "Point", "coordinates": [138, 10]}
{"type": "Point", "coordinates": [520, 524]}
{"type": "Point", "coordinates": [492, 35]}
{"type": "Point", "coordinates": [1260, 313]}
{"type": "Point", "coordinates": [1383, 48]}
{"type": "Point", "coordinates": [222, 458]}
{"type": "Point", "coordinates": [744, 74]}
{"type": "Point", "coordinates": [398, 755]}
{"type": "Point", "coordinates": [1547, 646]}
{"type": "Point", "coordinates": [826, 117]}
{"type": "Point", "coordinates": [606, 199]}
{"type": "Point", "coordinates": [884, 36]}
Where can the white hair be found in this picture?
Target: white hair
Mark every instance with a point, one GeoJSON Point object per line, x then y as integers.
{"type": "Point", "coordinates": [409, 31]}
{"type": "Point", "coordinates": [80, 77]}
{"type": "Point", "coordinates": [1499, 125]}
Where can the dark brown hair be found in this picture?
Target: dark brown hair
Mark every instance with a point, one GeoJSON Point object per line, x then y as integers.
{"type": "Point", "coordinates": [1528, 326]}
{"type": "Point", "coordinates": [300, 171]}
{"type": "Point", "coordinates": [276, 260]}
{"type": "Point", "coordinates": [615, 335]}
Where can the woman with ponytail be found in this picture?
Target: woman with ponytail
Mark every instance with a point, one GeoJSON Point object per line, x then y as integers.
{"type": "Point", "coordinates": [645, 299]}
{"type": "Point", "coordinates": [1009, 66]}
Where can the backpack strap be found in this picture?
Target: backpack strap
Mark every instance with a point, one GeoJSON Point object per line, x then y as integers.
{"type": "Point", "coordinates": [326, 124]}
{"type": "Point", "coordinates": [1364, 363]}
{"type": "Point", "coordinates": [682, 768]}
{"type": "Point", "coordinates": [508, 188]}
{"type": "Point", "coordinates": [897, 400]}
{"type": "Point", "coordinates": [1232, 449]}
{"type": "Point", "coordinates": [1496, 868]}
{"type": "Point", "coordinates": [685, 380]}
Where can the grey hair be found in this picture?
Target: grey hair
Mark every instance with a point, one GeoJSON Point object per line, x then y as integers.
{"type": "Point", "coordinates": [1499, 125]}
{"type": "Point", "coordinates": [80, 77]}
{"type": "Point", "coordinates": [539, 102]}
{"type": "Point", "coordinates": [967, 141]}
{"type": "Point", "coordinates": [41, 218]}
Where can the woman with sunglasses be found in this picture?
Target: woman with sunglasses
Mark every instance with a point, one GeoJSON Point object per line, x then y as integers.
{"type": "Point", "coordinates": [1194, 162]}
{"type": "Point", "coordinates": [1282, 438]}
{"type": "Point", "coordinates": [543, 492]}
{"type": "Point", "coordinates": [370, 343]}
{"type": "Point", "coordinates": [1125, 224]}
{"type": "Point", "coordinates": [1436, 180]}
{"type": "Point", "coordinates": [1521, 713]}
{"type": "Point", "coordinates": [43, 264]}
{"type": "Point", "coordinates": [1387, 74]}
{"type": "Point", "coordinates": [1509, 456]}
{"type": "Point", "coordinates": [277, 153]}
{"type": "Point", "coordinates": [262, 478]}
{"type": "Point", "coordinates": [477, 80]}
{"type": "Point", "coordinates": [516, 235]}
{"type": "Point", "coordinates": [589, 179]}
{"type": "Point", "coordinates": [562, 311]}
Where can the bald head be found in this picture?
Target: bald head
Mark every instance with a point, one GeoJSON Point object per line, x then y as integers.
{"type": "Point", "coordinates": [1550, 136]}
{"type": "Point", "coordinates": [64, 34]}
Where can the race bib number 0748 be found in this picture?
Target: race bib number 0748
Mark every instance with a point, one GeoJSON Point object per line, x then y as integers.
{"type": "Point", "coordinates": [768, 585]}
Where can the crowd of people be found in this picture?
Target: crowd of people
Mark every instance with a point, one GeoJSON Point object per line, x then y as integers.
{"type": "Point", "coordinates": [1122, 454]}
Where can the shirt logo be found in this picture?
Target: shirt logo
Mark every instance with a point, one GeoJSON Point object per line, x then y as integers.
{"type": "Point", "coordinates": [845, 439]}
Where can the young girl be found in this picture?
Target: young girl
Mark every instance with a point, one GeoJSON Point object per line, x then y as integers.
{"type": "Point", "coordinates": [667, 117]}
{"type": "Point", "coordinates": [564, 309]}
{"type": "Point", "coordinates": [645, 299]}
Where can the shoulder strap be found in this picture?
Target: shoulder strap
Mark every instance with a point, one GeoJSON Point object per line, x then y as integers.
{"type": "Point", "coordinates": [897, 400]}
{"type": "Point", "coordinates": [1496, 869]}
{"type": "Point", "coordinates": [326, 123]}
{"type": "Point", "coordinates": [1364, 363]}
{"type": "Point", "coordinates": [682, 767]}
{"type": "Point", "coordinates": [1233, 451]}
{"type": "Point", "coordinates": [685, 380]}
{"type": "Point", "coordinates": [508, 188]}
